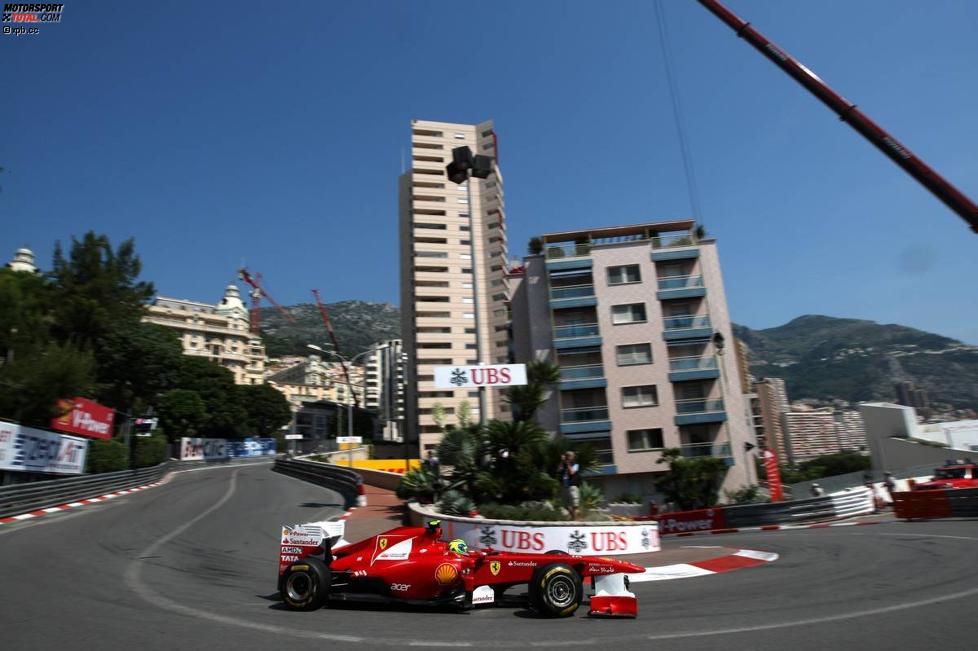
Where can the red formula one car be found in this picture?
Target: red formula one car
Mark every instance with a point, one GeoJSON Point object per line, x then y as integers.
{"type": "Point", "coordinates": [954, 475]}
{"type": "Point", "coordinates": [413, 565]}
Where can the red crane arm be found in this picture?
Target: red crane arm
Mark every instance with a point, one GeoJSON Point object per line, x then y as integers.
{"type": "Point", "coordinates": [259, 291]}
{"type": "Point", "coordinates": [847, 112]}
{"type": "Point", "coordinates": [332, 337]}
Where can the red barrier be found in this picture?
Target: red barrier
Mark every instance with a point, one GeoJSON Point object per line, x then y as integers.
{"type": "Point", "coordinates": [922, 504]}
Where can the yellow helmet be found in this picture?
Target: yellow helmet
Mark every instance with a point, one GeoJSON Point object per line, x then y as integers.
{"type": "Point", "coordinates": [458, 546]}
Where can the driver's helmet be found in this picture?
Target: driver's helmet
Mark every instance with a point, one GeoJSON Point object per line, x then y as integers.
{"type": "Point", "coordinates": [458, 546]}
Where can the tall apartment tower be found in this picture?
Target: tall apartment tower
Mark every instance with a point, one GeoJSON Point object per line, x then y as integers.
{"type": "Point", "coordinates": [773, 402]}
{"type": "Point", "coordinates": [384, 373]}
{"type": "Point", "coordinates": [454, 288]}
{"type": "Point", "coordinates": [636, 319]}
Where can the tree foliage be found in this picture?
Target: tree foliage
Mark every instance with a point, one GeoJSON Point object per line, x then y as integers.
{"type": "Point", "coordinates": [267, 409]}
{"type": "Point", "coordinates": [691, 483]}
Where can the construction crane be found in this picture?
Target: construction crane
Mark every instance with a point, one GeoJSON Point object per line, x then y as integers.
{"type": "Point", "coordinates": [332, 337]}
{"type": "Point", "coordinates": [257, 293]}
{"type": "Point", "coordinates": [847, 112]}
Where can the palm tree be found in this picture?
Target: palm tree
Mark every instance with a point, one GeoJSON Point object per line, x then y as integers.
{"type": "Point", "coordinates": [525, 400]}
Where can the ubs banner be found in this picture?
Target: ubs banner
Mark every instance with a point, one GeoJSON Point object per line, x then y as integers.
{"type": "Point", "coordinates": [194, 449]}
{"type": "Point", "coordinates": [612, 539]}
{"type": "Point", "coordinates": [26, 449]}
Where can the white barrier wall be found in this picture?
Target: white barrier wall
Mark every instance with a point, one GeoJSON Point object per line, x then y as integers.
{"type": "Point", "coordinates": [594, 538]}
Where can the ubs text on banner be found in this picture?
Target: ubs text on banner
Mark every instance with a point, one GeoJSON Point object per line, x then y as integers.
{"type": "Point", "coordinates": [498, 375]}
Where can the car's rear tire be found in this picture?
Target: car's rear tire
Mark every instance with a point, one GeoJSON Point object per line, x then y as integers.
{"type": "Point", "coordinates": [555, 590]}
{"type": "Point", "coordinates": [305, 584]}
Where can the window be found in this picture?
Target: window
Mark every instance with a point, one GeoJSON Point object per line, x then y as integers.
{"type": "Point", "coordinates": [459, 136]}
{"type": "Point", "coordinates": [631, 313]}
{"type": "Point", "coordinates": [440, 227]}
{"type": "Point", "coordinates": [465, 242]}
{"type": "Point", "coordinates": [468, 315]}
{"type": "Point", "coordinates": [431, 254]}
{"type": "Point", "coordinates": [466, 299]}
{"type": "Point", "coordinates": [640, 396]}
{"type": "Point", "coordinates": [631, 354]}
{"type": "Point", "coordinates": [461, 200]}
{"type": "Point", "coordinates": [628, 273]}
{"type": "Point", "coordinates": [640, 440]}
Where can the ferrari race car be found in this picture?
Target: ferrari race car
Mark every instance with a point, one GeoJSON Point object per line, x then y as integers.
{"type": "Point", "coordinates": [413, 565]}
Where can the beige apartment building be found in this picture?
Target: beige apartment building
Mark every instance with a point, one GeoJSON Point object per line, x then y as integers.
{"type": "Point", "coordinates": [454, 289]}
{"type": "Point", "coordinates": [772, 397]}
{"type": "Point", "coordinates": [636, 319]}
{"type": "Point", "coordinates": [219, 332]}
{"type": "Point", "coordinates": [384, 386]}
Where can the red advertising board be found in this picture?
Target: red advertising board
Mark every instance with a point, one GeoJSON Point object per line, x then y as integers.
{"type": "Point", "coordinates": [86, 418]}
{"type": "Point", "coordinates": [699, 520]}
{"type": "Point", "coordinates": [773, 476]}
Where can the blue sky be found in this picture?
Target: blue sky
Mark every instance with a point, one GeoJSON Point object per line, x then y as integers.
{"type": "Point", "coordinates": [273, 134]}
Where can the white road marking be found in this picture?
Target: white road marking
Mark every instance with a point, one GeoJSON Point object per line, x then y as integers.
{"type": "Point", "coordinates": [756, 555]}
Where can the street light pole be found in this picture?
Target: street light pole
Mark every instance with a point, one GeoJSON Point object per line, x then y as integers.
{"type": "Point", "coordinates": [463, 169]}
{"type": "Point", "coordinates": [349, 405]}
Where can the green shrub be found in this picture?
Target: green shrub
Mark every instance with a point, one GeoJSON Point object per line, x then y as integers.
{"type": "Point", "coordinates": [107, 456]}
{"type": "Point", "coordinates": [591, 497]}
{"type": "Point", "coordinates": [529, 511]}
{"type": "Point", "coordinates": [148, 450]}
{"type": "Point", "coordinates": [629, 498]}
{"type": "Point", "coordinates": [454, 502]}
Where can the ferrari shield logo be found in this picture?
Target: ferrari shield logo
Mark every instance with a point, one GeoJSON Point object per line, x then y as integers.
{"type": "Point", "coordinates": [383, 544]}
{"type": "Point", "coordinates": [494, 567]}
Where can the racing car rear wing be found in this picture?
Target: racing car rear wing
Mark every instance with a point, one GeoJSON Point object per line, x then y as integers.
{"type": "Point", "coordinates": [301, 540]}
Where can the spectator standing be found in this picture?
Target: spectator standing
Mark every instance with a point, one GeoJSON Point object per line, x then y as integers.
{"type": "Point", "coordinates": [570, 482]}
{"type": "Point", "coordinates": [816, 490]}
{"type": "Point", "coordinates": [432, 463]}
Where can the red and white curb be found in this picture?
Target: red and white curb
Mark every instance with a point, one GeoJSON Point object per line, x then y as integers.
{"type": "Point", "coordinates": [739, 560]}
{"type": "Point", "coordinates": [85, 502]}
{"type": "Point", "coordinates": [770, 527]}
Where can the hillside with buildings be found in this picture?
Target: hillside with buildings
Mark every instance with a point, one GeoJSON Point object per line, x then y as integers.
{"type": "Point", "coordinates": [826, 358]}
{"type": "Point", "coordinates": [358, 325]}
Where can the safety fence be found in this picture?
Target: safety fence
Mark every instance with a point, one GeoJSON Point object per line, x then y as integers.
{"type": "Point", "coordinates": [344, 481]}
{"type": "Point", "coordinates": [858, 501]}
{"type": "Point", "coordinates": [940, 503]}
{"type": "Point", "coordinates": [21, 498]}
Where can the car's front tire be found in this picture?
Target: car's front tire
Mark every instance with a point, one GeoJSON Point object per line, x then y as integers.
{"type": "Point", "coordinates": [305, 584]}
{"type": "Point", "coordinates": [555, 590]}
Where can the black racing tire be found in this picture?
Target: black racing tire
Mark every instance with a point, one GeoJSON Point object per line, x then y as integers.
{"type": "Point", "coordinates": [305, 584]}
{"type": "Point", "coordinates": [557, 552]}
{"type": "Point", "coordinates": [555, 590]}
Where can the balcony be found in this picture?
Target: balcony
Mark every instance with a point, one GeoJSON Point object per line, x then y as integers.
{"type": "Point", "coordinates": [693, 326]}
{"type": "Point", "coordinates": [567, 255]}
{"type": "Point", "coordinates": [572, 296]}
{"type": "Point", "coordinates": [584, 419]}
{"type": "Point", "coordinates": [718, 450]}
{"type": "Point", "coordinates": [590, 376]}
{"type": "Point", "coordinates": [693, 368]}
{"type": "Point", "coordinates": [580, 335]}
{"type": "Point", "coordinates": [675, 246]}
{"type": "Point", "coordinates": [698, 411]}
{"type": "Point", "coordinates": [680, 287]}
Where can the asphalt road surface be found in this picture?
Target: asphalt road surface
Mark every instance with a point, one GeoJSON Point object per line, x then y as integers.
{"type": "Point", "coordinates": [192, 564]}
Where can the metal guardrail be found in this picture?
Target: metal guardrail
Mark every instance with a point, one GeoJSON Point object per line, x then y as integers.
{"type": "Point", "coordinates": [23, 498]}
{"type": "Point", "coordinates": [344, 481]}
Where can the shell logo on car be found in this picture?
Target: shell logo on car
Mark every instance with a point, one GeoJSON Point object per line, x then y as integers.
{"type": "Point", "coordinates": [446, 573]}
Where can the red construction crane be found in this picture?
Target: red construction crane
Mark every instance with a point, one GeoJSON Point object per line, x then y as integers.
{"type": "Point", "coordinates": [847, 112]}
{"type": "Point", "coordinates": [332, 337]}
{"type": "Point", "coordinates": [257, 293]}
